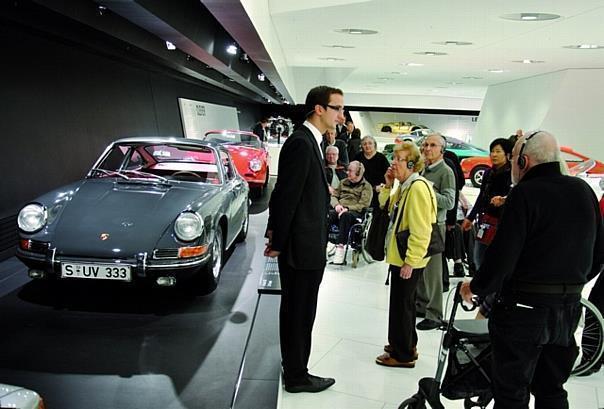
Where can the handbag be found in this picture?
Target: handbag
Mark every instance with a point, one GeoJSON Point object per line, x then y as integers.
{"type": "Point", "coordinates": [437, 243]}
{"type": "Point", "coordinates": [376, 236]}
{"type": "Point", "coordinates": [487, 227]}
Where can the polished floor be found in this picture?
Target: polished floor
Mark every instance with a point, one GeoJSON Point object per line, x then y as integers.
{"type": "Point", "coordinates": [350, 332]}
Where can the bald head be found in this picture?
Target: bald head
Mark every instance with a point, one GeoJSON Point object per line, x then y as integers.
{"type": "Point", "coordinates": [536, 148]}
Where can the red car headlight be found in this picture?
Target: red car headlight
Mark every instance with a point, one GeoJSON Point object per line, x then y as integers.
{"type": "Point", "coordinates": [255, 164]}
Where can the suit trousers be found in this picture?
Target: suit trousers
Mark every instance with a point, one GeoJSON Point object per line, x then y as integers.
{"type": "Point", "coordinates": [299, 293]}
{"type": "Point", "coordinates": [430, 287]}
{"type": "Point", "coordinates": [533, 351]}
{"type": "Point", "coordinates": [401, 314]}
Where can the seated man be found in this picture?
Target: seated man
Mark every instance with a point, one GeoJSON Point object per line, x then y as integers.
{"type": "Point", "coordinates": [329, 139]}
{"type": "Point", "coordinates": [353, 195]}
{"type": "Point", "coordinates": [333, 171]}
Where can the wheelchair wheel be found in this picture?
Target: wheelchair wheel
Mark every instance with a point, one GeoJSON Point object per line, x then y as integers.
{"type": "Point", "coordinates": [414, 402]}
{"type": "Point", "coordinates": [355, 258]}
{"type": "Point", "coordinates": [589, 337]}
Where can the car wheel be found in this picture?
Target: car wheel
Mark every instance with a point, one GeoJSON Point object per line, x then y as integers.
{"type": "Point", "coordinates": [207, 279]}
{"type": "Point", "coordinates": [245, 226]}
{"type": "Point", "coordinates": [477, 174]}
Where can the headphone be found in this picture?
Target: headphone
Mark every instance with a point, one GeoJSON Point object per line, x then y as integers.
{"type": "Point", "coordinates": [521, 160]}
{"type": "Point", "coordinates": [410, 164]}
{"type": "Point", "coordinates": [444, 145]}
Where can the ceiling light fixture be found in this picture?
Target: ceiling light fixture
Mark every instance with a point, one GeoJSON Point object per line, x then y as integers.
{"type": "Point", "coordinates": [170, 46]}
{"type": "Point", "coordinates": [337, 46]}
{"type": "Point", "coordinates": [331, 59]}
{"type": "Point", "coordinates": [496, 70]}
{"type": "Point", "coordinates": [471, 78]}
{"type": "Point", "coordinates": [232, 49]}
{"type": "Point", "coordinates": [413, 64]}
{"type": "Point", "coordinates": [584, 47]}
{"type": "Point", "coordinates": [450, 42]}
{"type": "Point", "coordinates": [355, 31]}
{"type": "Point", "coordinates": [530, 16]}
{"type": "Point", "coordinates": [527, 61]}
{"type": "Point", "coordinates": [261, 77]}
{"type": "Point", "coordinates": [430, 53]}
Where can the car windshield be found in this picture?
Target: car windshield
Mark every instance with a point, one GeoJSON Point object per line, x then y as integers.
{"type": "Point", "coordinates": [159, 162]}
{"type": "Point", "coordinates": [235, 138]}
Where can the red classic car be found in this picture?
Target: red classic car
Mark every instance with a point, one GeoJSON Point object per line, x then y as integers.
{"type": "Point", "coordinates": [474, 167]}
{"type": "Point", "coordinates": [249, 154]}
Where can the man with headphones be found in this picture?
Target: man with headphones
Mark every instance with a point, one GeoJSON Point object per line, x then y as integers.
{"type": "Point", "coordinates": [429, 302]}
{"type": "Point", "coordinates": [549, 243]}
{"type": "Point", "coordinates": [352, 196]}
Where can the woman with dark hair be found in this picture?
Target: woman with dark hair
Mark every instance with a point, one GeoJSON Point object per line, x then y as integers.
{"type": "Point", "coordinates": [496, 184]}
{"type": "Point", "coordinates": [375, 164]}
{"type": "Point", "coordinates": [354, 143]}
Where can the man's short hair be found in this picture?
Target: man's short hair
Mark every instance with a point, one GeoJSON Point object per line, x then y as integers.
{"type": "Point", "coordinates": [332, 148]}
{"type": "Point", "coordinates": [443, 140]}
{"type": "Point", "coordinates": [541, 147]}
{"type": "Point", "coordinates": [319, 96]}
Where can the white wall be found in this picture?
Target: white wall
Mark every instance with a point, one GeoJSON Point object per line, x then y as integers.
{"type": "Point", "coordinates": [565, 103]}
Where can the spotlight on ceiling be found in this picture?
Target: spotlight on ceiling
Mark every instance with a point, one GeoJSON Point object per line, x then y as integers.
{"type": "Point", "coordinates": [232, 49]}
{"type": "Point", "coordinates": [244, 57]}
{"type": "Point", "coordinates": [355, 31]}
{"type": "Point", "coordinates": [584, 47]}
{"type": "Point", "coordinates": [261, 77]}
{"type": "Point", "coordinates": [101, 9]}
{"type": "Point", "coordinates": [170, 46]}
{"type": "Point", "coordinates": [530, 16]}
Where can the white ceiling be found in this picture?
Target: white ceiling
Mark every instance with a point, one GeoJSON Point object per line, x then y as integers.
{"type": "Point", "coordinates": [296, 34]}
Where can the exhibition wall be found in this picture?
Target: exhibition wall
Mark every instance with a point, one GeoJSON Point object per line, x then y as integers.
{"type": "Point", "coordinates": [565, 103]}
{"type": "Point", "coordinates": [63, 102]}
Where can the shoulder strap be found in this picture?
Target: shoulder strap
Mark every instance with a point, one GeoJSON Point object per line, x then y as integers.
{"type": "Point", "coordinates": [404, 201]}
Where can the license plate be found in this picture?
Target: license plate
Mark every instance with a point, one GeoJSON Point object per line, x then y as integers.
{"type": "Point", "coordinates": [96, 271]}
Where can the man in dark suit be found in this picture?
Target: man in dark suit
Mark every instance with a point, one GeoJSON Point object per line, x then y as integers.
{"type": "Point", "coordinates": [297, 235]}
{"type": "Point", "coordinates": [260, 129]}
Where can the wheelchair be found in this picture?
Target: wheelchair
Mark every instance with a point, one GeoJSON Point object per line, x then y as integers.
{"type": "Point", "coordinates": [357, 238]}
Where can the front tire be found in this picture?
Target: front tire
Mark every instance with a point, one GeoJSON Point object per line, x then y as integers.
{"type": "Point", "coordinates": [476, 175]}
{"type": "Point", "coordinates": [245, 226]}
{"type": "Point", "coordinates": [207, 279]}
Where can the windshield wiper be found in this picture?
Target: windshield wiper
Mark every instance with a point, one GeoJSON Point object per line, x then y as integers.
{"type": "Point", "coordinates": [147, 174]}
{"type": "Point", "coordinates": [109, 173]}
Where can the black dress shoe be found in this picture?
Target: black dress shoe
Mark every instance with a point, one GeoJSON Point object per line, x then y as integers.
{"type": "Point", "coordinates": [309, 383]}
{"type": "Point", "coordinates": [426, 325]}
{"type": "Point", "coordinates": [458, 270]}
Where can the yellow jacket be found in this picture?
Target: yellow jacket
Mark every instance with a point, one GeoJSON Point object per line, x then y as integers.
{"type": "Point", "coordinates": [418, 215]}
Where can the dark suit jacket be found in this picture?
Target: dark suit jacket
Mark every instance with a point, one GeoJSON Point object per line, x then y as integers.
{"type": "Point", "coordinates": [342, 151]}
{"type": "Point", "coordinates": [259, 130]}
{"type": "Point", "coordinates": [299, 203]}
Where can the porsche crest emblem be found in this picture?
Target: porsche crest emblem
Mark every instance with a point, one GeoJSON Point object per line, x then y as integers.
{"type": "Point", "coordinates": [104, 236]}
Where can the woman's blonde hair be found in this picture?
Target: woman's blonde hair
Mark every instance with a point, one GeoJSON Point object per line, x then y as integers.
{"type": "Point", "coordinates": [413, 154]}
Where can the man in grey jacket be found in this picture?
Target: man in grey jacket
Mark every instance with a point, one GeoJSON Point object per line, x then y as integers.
{"type": "Point", "coordinates": [430, 287]}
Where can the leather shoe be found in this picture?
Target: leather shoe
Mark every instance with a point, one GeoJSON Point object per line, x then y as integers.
{"type": "Point", "coordinates": [427, 324]}
{"type": "Point", "coordinates": [386, 360]}
{"type": "Point", "coordinates": [390, 349]}
{"type": "Point", "coordinates": [419, 314]}
{"type": "Point", "coordinates": [310, 383]}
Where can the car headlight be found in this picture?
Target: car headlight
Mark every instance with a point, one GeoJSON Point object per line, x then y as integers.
{"type": "Point", "coordinates": [32, 218]}
{"type": "Point", "coordinates": [188, 226]}
{"type": "Point", "coordinates": [255, 164]}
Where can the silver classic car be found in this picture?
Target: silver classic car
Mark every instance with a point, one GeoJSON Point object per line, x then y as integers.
{"type": "Point", "coordinates": [151, 209]}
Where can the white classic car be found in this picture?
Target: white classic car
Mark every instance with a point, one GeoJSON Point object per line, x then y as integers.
{"type": "Point", "coordinates": [18, 397]}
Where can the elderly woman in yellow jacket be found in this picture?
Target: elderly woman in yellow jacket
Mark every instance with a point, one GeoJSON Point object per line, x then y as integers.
{"type": "Point", "coordinates": [412, 207]}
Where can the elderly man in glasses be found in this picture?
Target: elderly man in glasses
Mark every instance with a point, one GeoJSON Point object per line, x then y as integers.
{"type": "Point", "coordinates": [429, 302]}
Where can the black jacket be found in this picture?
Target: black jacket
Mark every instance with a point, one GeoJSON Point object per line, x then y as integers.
{"type": "Point", "coordinates": [549, 233]}
{"type": "Point", "coordinates": [452, 161]}
{"type": "Point", "coordinates": [299, 203]}
{"type": "Point", "coordinates": [495, 182]}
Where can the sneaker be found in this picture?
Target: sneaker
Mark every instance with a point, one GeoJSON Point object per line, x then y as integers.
{"type": "Point", "coordinates": [458, 270]}
{"type": "Point", "coordinates": [331, 249]}
{"type": "Point", "coordinates": [338, 258]}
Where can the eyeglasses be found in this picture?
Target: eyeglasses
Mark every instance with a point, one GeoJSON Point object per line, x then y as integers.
{"type": "Point", "coordinates": [399, 160]}
{"type": "Point", "coordinates": [338, 108]}
{"type": "Point", "coordinates": [431, 145]}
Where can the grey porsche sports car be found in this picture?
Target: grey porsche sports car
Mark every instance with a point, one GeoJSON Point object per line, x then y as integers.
{"type": "Point", "coordinates": [151, 209]}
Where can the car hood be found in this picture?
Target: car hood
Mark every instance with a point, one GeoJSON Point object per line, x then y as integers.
{"type": "Point", "coordinates": [244, 151]}
{"type": "Point", "coordinates": [130, 216]}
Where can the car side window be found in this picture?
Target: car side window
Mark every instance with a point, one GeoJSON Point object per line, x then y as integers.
{"type": "Point", "coordinates": [227, 165]}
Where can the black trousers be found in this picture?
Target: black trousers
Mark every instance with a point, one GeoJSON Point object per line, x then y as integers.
{"type": "Point", "coordinates": [299, 292]}
{"type": "Point", "coordinates": [345, 221]}
{"type": "Point", "coordinates": [533, 351]}
{"type": "Point", "coordinates": [401, 317]}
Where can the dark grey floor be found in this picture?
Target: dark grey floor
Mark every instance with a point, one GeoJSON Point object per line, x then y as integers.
{"type": "Point", "coordinates": [101, 346]}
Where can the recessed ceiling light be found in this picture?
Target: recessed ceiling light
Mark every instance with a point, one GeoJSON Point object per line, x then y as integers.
{"type": "Point", "coordinates": [337, 46]}
{"type": "Point", "coordinates": [231, 49]}
{"type": "Point", "coordinates": [527, 61]}
{"type": "Point", "coordinates": [496, 70]}
{"type": "Point", "coordinates": [413, 64]}
{"type": "Point", "coordinates": [449, 42]}
{"type": "Point", "coordinates": [385, 78]}
{"type": "Point", "coordinates": [170, 46]}
{"type": "Point", "coordinates": [454, 83]}
{"type": "Point", "coordinates": [584, 46]}
{"type": "Point", "coordinates": [261, 77]}
{"type": "Point", "coordinates": [530, 16]}
{"type": "Point", "coordinates": [355, 31]}
{"type": "Point", "coordinates": [431, 53]}
{"type": "Point", "coordinates": [331, 59]}
{"type": "Point", "coordinates": [471, 78]}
